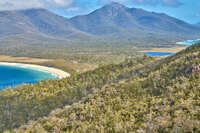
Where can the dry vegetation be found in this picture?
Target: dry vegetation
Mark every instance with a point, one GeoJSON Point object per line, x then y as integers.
{"type": "Point", "coordinates": [4, 58]}
{"type": "Point", "coordinates": [171, 49]}
{"type": "Point", "coordinates": [67, 65]}
{"type": "Point", "coordinates": [57, 63]}
{"type": "Point", "coordinates": [140, 95]}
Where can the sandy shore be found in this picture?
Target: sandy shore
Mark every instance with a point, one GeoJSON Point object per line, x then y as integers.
{"type": "Point", "coordinates": [61, 74]}
{"type": "Point", "coordinates": [165, 50]}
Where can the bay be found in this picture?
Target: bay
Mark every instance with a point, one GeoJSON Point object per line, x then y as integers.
{"type": "Point", "coordinates": [11, 76]}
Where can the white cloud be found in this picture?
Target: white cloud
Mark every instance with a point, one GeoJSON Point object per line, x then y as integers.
{"type": "Point", "coordinates": [198, 14]}
{"type": "Point", "coordinates": [72, 4]}
{"type": "Point", "coordinates": [170, 3]}
{"type": "Point", "coordinates": [24, 4]}
{"type": "Point", "coordinates": [63, 2]}
{"type": "Point", "coordinates": [108, 1]}
{"type": "Point", "coordinates": [73, 9]}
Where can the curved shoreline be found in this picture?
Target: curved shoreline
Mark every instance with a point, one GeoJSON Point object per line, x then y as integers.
{"type": "Point", "coordinates": [60, 73]}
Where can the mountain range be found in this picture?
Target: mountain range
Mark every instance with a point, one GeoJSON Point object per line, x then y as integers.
{"type": "Point", "coordinates": [112, 23]}
{"type": "Point", "coordinates": [198, 24]}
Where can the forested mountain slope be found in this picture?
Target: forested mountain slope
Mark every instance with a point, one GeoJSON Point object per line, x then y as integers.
{"type": "Point", "coordinates": [164, 97]}
{"type": "Point", "coordinates": [29, 102]}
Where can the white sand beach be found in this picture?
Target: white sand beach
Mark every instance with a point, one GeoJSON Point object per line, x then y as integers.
{"type": "Point", "coordinates": [61, 74]}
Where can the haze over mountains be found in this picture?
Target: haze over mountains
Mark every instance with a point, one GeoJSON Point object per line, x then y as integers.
{"type": "Point", "coordinates": [198, 24]}
{"type": "Point", "coordinates": [111, 23]}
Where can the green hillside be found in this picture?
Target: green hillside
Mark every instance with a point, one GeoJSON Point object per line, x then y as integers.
{"type": "Point", "coordinates": [142, 95]}
{"type": "Point", "coordinates": [30, 102]}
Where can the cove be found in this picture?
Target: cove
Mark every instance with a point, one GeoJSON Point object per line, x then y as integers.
{"type": "Point", "coordinates": [189, 42]}
{"type": "Point", "coordinates": [158, 53]}
{"type": "Point", "coordinates": [11, 76]}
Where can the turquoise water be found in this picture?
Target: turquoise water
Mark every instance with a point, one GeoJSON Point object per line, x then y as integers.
{"type": "Point", "coordinates": [11, 76]}
{"type": "Point", "coordinates": [190, 42]}
{"type": "Point", "coordinates": [158, 54]}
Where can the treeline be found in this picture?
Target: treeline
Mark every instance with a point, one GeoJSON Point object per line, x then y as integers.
{"type": "Point", "coordinates": [29, 102]}
{"type": "Point", "coordinates": [159, 98]}
{"type": "Point", "coordinates": [81, 53]}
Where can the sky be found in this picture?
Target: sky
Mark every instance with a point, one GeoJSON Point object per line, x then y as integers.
{"type": "Point", "coordinates": [187, 10]}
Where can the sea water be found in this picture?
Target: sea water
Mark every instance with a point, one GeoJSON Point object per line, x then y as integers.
{"type": "Point", "coordinates": [158, 53]}
{"type": "Point", "coordinates": [189, 42]}
{"type": "Point", "coordinates": [11, 76]}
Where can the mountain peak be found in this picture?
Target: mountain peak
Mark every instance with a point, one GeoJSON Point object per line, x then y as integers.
{"type": "Point", "coordinates": [115, 5]}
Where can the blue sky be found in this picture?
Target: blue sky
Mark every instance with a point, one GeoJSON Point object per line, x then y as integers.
{"type": "Point", "coordinates": [188, 10]}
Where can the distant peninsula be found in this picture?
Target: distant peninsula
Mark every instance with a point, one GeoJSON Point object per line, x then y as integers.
{"type": "Point", "coordinates": [59, 73]}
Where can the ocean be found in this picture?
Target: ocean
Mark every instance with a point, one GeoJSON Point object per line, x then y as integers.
{"type": "Point", "coordinates": [11, 76]}
{"type": "Point", "coordinates": [158, 53]}
{"type": "Point", "coordinates": [189, 42]}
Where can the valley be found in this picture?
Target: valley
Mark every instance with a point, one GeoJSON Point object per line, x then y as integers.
{"type": "Point", "coordinates": [123, 69]}
{"type": "Point", "coordinates": [115, 24]}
